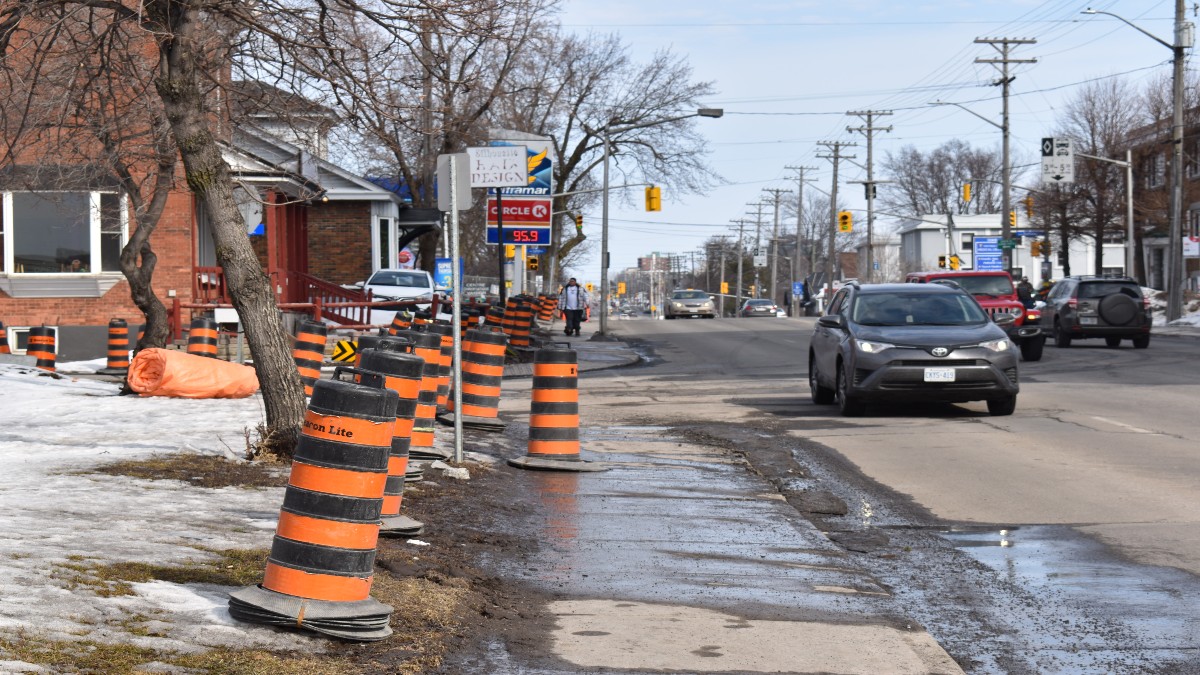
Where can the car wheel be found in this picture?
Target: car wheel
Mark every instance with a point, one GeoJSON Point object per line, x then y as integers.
{"type": "Point", "coordinates": [1112, 341]}
{"type": "Point", "coordinates": [999, 407]}
{"type": "Point", "coordinates": [1141, 341]}
{"type": "Point", "coordinates": [1061, 339]}
{"type": "Point", "coordinates": [820, 395]}
{"type": "Point", "coordinates": [1031, 350]}
{"type": "Point", "coordinates": [849, 405]}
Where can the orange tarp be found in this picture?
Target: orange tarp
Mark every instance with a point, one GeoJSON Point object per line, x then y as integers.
{"type": "Point", "coordinates": [168, 372]}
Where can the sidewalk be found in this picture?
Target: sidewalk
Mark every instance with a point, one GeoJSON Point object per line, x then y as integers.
{"type": "Point", "coordinates": [1178, 330]}
{"type": "Point", "coordinates": [592, 355]}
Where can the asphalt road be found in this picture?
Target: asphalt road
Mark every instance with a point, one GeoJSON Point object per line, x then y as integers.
{"type": "Point", "coordinates": [1063, 538]}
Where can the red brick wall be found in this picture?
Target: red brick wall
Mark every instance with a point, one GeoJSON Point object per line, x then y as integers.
{"type": "Point", "coordinates": [339, 241]}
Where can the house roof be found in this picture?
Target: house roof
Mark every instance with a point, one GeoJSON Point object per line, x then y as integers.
{"type": "Point", "coordinates": [979, 221]}
{"type": "Point", "coordinates": [251, 98]}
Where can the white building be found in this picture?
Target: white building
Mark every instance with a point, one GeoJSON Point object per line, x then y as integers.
{"type": "Point", "coordinates": [974, 239]}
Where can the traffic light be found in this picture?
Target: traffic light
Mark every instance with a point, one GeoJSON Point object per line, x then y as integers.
{"type": "Point", "coordinates": [942, 261]}
{"type": "Point", "coordinates": [966, 192]}
{"type": "Point", "coordinates": [620, 288]}
{"type": "Point", "coordinates": [1012, 218]}
{"type": "Point", "coordinates": [1046, 248]}
{"type": "Point", "coordinates": [590, 288]}
{"type": "Point", "coordinates": [725, 287]}
{"type": "Point", "coordinates": [654, 198]}
{"type": "Point", "coordinates": [532, 263]}
{"type": "Point", "coordinates": [579, 221]}
{"type": "Point", "coordinates": [753, 291]}
{"type": "Point", "coordinates": [1028, 201]}
{"type": "Point", "coordinates": [955, 262]}
{"type": "Point", "coordinates": [510, 250]}
{"type": "Point", "coordinates": [845, 221]}
{"type": "Point", "coordinates": [1035, 249]}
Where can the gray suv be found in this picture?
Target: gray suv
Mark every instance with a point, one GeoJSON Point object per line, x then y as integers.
{"type": "Point", "coordinates": [911, 342]}
{"type": "Point", "coordinates": [1082, 307]}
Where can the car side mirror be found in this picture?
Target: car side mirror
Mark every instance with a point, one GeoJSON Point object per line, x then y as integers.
{"type": "Point", "coordinates": [832, 321]}
{"type": "Point", "coordinates": [1003, 319]}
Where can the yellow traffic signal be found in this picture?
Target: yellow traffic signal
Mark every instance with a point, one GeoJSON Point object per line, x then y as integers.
{"type": "Point", "coordinates": [1028, 201]}
{"type": "Point", "coordinates": [1046, 248]}
{"type": "Point", "coordinates": [532, 263]}
{"type": "Point", "coordinates": [966, 192]}
{"type": "Point", "coordinates": [845, 221]}
{"type": "Point", "coordinates": [955, 262]}
{"type": "Point", "coordinates": [620, 288]}
{"type": "Point", "coordinates": [1012, 218]}
{"type": "Point", "coordinates": [579, 221]}
{"type": "Point", "coordinates": [1035, 249]}
{"type": "Point", "coordinates": [510, 250]}
{"type": "Point", "coordinates": [590, 288]}
{"type": "Point", "coordinates": [725, 287]}
{"type": "Point", "coordinates": [654, 198]}
{"type": "Point", "coordinates": [942, 261]}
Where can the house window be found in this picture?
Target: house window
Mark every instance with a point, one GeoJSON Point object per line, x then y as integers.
{"type": "Point", "coordinates": [62, 232]}
{"type": "Point", "coordinates": [1156, 173]}
{"type": "Point", "coordinates": [966, 254]}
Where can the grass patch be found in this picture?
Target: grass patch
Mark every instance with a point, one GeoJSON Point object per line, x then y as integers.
{"type": "Point", "coordinates": [207, 471]}
{"type": "Point", "coordinates": [232, 567]}
{"type": "Point", "coordinates": [427, 612]}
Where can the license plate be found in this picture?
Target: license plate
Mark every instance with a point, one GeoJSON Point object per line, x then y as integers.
{"type": "Point", "coordinates": [939, 374]}
{"type": "Point", "coordinates": [1087, 321]}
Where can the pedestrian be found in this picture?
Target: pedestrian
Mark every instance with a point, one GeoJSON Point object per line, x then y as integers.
{"type": "Point", "coordinates": [573, 299]}
{"type": "Point", "coordinates": [1044, 289]}
{"type": "Point", "coordinates": [1025, 292]}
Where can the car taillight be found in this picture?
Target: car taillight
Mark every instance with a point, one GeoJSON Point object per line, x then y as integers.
{"type": "Point", "coordinates": [1072, 303]}
{"type": "Point", "coordinates": [1145, 302]}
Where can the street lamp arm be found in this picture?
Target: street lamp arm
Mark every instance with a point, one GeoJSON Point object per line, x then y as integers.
{"type": "Point", "coordinates": [1119, 162]}
{"type": "Point", "coordinates": [1019, 187]}
{"type": "Point", "coordinates": [1143, 31]}
{"type": "Point", "coordinates": [959, 105]}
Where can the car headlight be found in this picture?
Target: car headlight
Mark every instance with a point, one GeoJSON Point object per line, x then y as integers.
{"type": "Point", "coordinates": [996, 345]}
{"type": "Point", "coordinates": [873, 347]}
{"type": "Point", "coordinates": [677, 305]}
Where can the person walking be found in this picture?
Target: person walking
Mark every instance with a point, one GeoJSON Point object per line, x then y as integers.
{"type": "Point", "coordinates": [573, 299]}
{"type": "Point", "coordinates": [1025, 292]}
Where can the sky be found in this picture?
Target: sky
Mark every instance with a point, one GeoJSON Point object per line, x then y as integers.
{"type": "Point", "coordinates": [787, 71]}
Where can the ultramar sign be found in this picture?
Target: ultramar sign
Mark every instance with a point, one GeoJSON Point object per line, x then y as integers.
{"type": "Point", "coordinates": [498, 166]}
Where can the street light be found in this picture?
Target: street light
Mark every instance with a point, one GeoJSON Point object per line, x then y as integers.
{"type": "Point", "coordinates": [605, 132]}
{"type": "Point", "coordinates": [1183, 40]}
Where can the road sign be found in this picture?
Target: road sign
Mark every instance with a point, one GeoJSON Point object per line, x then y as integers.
{"type": "Point", "coordinates": [1058, 161]}
{"type": "Point", "coordinates": [526, 221]}
{"type": "Point", "coordinates": [462, 186]}
{"type": "Point", "coordinates": [797, 289]}
{"type": "Point", "coordinates": [988, 257]}
{"type": "Point", "coordinates": [760, 261]}
{"type": "Point", "coordinates": [498, 166]}
{"type": "Point", "coordinates": [345, 350]}
{"type": "Point", "coordinates": [1007, 244]}
{"type": "Point", "coordinates": [535, 250]}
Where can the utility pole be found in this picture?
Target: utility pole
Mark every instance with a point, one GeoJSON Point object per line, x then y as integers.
{"type": "Point", "coordinates": [812, 251]}
{"type": "Point", "coordinates": [869, 131]}
{"type": "Point", "coordinates": [757, 242]}
{"type": "Point", "coordinates": [1004, 46]}
{"type": "Point", "coordinates": [721, 283]}
{"type": "Point", "coordinates": [1175, 265]}
{"type": "Point", "coordinates": [741, 223]}
{"type": "Point", "coordinates": [776, 194]}
{"type": "Point", "coordinates": [834, 147]}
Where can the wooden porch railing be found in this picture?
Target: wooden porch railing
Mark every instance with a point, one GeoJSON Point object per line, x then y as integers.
{"type": "Point", "coordinates": [305, 288]}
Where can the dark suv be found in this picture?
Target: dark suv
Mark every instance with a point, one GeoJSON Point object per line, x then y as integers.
{"type": "Point", "coordinates": [911, 342]}
{"type": "Point", "coordinates": [1082, 307]}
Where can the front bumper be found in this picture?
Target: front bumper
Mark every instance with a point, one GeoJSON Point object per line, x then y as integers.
{"type": "Point", "coordinates": [1019, 334]}
{"type": "Point", "coordinates": [899, 374]}
{"type": "Point", "coordinates": [692, 311]}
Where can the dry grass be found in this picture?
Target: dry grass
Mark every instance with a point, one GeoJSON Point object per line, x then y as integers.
{"type": "Point", "coordinates": [207, 471]}
{"type": "Point", "coordinates": [426, 616]}
{"type": "Point", "coordinates": [233, 567]}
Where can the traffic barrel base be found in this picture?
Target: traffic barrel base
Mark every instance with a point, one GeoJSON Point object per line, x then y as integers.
{"type": "Point", "coordinates": [361, 621]}
{"type": "Point", "coordinates": [554, 414]}
{"type": "Point", "coordinates": [403, 373]}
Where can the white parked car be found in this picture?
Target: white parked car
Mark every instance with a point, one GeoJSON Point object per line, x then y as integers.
{"type": "Point", "coordinates": [396, 284]}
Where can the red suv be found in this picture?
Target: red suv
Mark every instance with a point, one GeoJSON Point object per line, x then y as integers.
{"type": "Point", "coordinates": [996, 294]}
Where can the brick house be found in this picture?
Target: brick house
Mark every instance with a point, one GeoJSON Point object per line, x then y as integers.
{"type": "Point", "coordinates": [316, 227]}
{"type": "Point", "coordinates": [1152, 172]}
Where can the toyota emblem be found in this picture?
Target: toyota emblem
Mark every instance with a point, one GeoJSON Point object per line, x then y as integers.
{"type": "Point", "coordinates": [940, 351]}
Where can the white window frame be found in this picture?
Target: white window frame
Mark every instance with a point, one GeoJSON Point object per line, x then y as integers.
{"type": "Point", "coordinates": [94, 223]}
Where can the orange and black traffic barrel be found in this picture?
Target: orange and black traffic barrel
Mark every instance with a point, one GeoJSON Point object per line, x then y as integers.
{"type": "Point", "coordinates": [445, 361]}
{"type": "Point", "coordinates": [482, 374]}
{"type": "Point", "coordinates": [319, 572]}
{"type": "Point", "coordinates": [522, 323]}
{"type": "Point", "coordinates": [41, 347]}
{"type": "Point", "coordinates": [4, 349]}
{"type": "Point", "coordinates": [545, 309]}
{"type": "Point", "coordinates": [118, 348]}
{"type": "Point", "coordinates": [202, 337]}
{"type": "Point", "coordinates": [402, 374]}
{"type": "Point", "coordinates": [309, 352]}
{"type": "Point", "coordinates": [428, 346]}
{"type": "Point", "coordinates": [554, 413]}
{"type": "Point", "coordinates": [495, 316]}
{"type": "Point", "coordinates": [402, 321]}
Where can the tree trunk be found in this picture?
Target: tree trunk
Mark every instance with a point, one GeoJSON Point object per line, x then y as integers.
{"type": "Point", "coordinates": [208, 176]}
{"type": "Point", "coordinates": [142, 293]}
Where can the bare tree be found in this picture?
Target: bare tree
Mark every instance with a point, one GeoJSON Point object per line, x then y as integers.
{"type": "Point", "coordinates": [925, 183]}
{"type": "Point", "coordinates": [583, 85]}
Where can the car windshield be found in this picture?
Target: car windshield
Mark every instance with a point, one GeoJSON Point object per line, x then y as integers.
{"type": "Point", "coordinates": [689, 295]}
{"type": "Point", "coordinates": [405, 279]}
{"type": "Point", "coordinates": [916, 309]}
{"type": "Point", "coordinates": [1100, 289]}
{"type": "Point", "coordinates": [992, 284]}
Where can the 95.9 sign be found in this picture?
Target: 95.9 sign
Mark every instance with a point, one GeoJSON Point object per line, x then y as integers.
{"type": "Point", "coordinates": [521, 235]}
